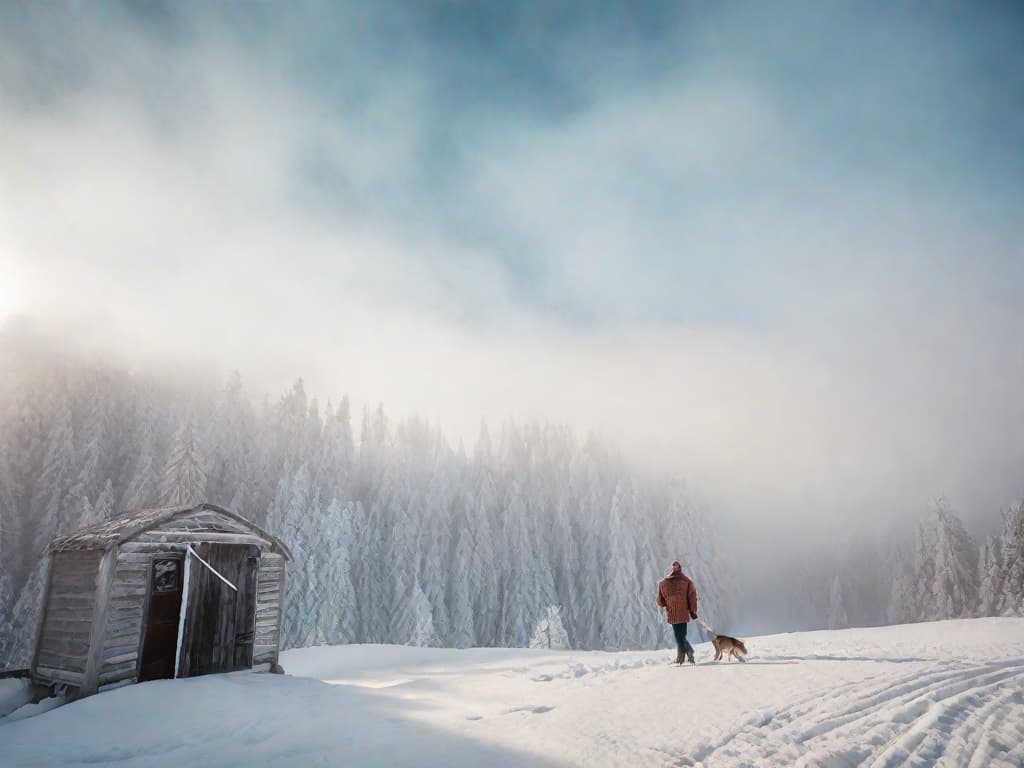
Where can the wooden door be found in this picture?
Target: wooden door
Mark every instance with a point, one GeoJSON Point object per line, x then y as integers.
{"type": "Point", "coordinates": [245, 611]}
{"type": "Point", "coordinates": [160, 641]}
{"type": "Point", "coordinates": [218, 635]}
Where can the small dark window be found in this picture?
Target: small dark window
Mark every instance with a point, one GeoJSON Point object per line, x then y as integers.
{"type": "Point", "coordinates": [166, 575]}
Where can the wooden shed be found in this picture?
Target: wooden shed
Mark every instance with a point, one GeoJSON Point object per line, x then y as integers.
{"type": "Point", "coordinates": [160, 593]}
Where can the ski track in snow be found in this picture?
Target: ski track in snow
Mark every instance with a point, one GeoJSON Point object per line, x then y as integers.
{"type": "Point", "coordinates": [943, 717]}
{"type": "Point", "coordinates": [941, 694]}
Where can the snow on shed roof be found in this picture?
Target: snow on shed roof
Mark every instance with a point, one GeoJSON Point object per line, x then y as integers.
{"type": "Point", "coordinates": [129, 525]}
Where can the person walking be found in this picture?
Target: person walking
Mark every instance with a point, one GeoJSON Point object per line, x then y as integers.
{"type": "Point", "coordinates": [678, 596]}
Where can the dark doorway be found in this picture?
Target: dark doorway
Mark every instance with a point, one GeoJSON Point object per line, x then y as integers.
{"type": "Point", "coordinates": [219, 621]}
{"type": "Point", "coordinates": [160, 643]}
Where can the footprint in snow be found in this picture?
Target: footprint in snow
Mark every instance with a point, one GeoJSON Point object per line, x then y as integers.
{"type": "Point", "coordinates": [537, 709]}
{"type": "Point", "coordinates": [474, 717]}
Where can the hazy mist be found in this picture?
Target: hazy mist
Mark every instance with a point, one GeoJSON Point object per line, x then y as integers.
{"type": "Point", "coordinates": [777, 252]}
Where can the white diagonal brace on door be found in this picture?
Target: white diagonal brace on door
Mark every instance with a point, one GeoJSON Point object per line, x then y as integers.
{"type": "Point", "coordinates": [212, 569]}
{"type": "Point", "coordinates": [182, 613]}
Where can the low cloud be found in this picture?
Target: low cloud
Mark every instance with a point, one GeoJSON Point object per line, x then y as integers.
{"type": "Point", "coordinates": [814, 327]}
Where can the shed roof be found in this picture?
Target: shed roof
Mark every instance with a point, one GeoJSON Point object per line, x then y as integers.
{"type": "Point", "coordinates": [129, 525]}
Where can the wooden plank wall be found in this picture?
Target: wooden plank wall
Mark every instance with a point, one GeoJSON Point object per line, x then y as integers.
{"type": "Point", "coordinates": [122, 640]}
{"type": "Point", "coordinates": [269, 593]}
{"type": "Point", "coordinates": [104, 584]}
{"type": "Point", "coordinates": [67, 623]}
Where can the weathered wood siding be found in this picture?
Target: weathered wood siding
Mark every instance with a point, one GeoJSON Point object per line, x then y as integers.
{"type": "Point", "coordinates": [67, 622]}
{"type": "Point", "coordinates": [269, 591]}
{"type": "Point", "coordinates": [122, 638]}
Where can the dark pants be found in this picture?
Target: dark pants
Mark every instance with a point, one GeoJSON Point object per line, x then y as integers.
{"type": "Point", "coordinates": [679, 630]}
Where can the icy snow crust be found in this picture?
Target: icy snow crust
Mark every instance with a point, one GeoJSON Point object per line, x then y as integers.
{"type": "Point", "coordinates": [946, 693]}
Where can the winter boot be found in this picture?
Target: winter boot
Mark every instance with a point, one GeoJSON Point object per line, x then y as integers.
{"type": "Point", "coordinates": [680, 657]}
{"type": "Point", "coordinates": [689, 654]}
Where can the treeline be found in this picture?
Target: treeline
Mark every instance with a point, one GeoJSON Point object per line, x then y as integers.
{"type": "Point", "coordinates": [939, 573]}
{"type": "Point", "coordinates": [398, 536]}
{"type": "Point", "coordinates": [949, 576]}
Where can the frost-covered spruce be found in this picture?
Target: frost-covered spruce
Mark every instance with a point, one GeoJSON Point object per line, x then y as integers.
{"type": "Point", "coordinates": [945, 570]}
{"type": "Point", "coordinates": [1009, 598]}
{"type": "Point", "coordinates": [184, 480]}
{"type": "Point", "coordinates": [550, 632]}
{"type": "Point", "coordinates": [990, 577]}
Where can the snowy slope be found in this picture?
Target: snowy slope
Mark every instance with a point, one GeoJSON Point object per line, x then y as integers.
{"type": "Point", "coordinates": [945, 693]}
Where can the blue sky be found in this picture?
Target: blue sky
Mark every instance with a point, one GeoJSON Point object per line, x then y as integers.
{"type": "Point", "coordinates": [776, 247]}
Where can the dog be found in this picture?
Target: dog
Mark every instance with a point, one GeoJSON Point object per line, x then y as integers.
{"type": "Point", "coordinates": [730, 646]}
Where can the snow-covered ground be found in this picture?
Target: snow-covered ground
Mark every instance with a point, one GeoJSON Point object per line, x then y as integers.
{"type": "Point", "coordinates": [939, 694]}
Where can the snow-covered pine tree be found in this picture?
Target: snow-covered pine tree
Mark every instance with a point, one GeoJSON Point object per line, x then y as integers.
{"type": "Point", "coordinates": [565, 554]}
{"type": "Point", "coordinates": [1010, 590]}
{"type": "Point", "coordinates": [591, 517]}
{"type": "Point", "coordinates": [484, 565]}
{"type": "Point", "coordinates": [400, 566]}
{"type": "Point", "coordinates": [184, 480]}
{"type": "Point", "coordinates": [421, 631]}
{"type": "Point", "coordinates": [16, 647]}
{"type": "Point", "coordinates": [460, 594]}
{"type": "Point", "coordinates": [372, 580]}
{"type": "Point", "coordinates": [540, 578]}
{"type": "Point", "coordinates": [549, 632]}
{"type": "Point", "coordinates": [990, 577]}
{"type": "Point", "coordinates": [623, 598]}
{"type": "Point", "coordinates": [435, 544]}
{"type": "Point", "coordinates": [100, 510]}
{"type": "Point", "coordinates": [335, 604]}
{"type": "Point", "coordinates": [9, 512]}
{"type": "Point", "coordinates": [375, 454]}
{"type": "Point", "coordinates": [299, 527]}
{"type": "Point", "coordinates": [901, 606]}
{"type": "Point", "coordinates": [957, 588]}
{"type": "Point", "coordinates": [50, 490]}
{"type": "Point", "coordinates": [337, 453]}
{"type": "Point", "coordinates": [837, 618]}
{"type": "Point", "coordinates": [8, 506]}
{"type": "Point", "coordinates": [25, 446]}
{"type": "Point", "coordinates": [517, 611]}
{"type": "Point", "coordinates": [142, 490]}
{"type": "Point", "coordinates": [290, 427]}
{"type": "Point", "coordinates": [7, 631]}
{"type": "Point", "coordinates": [356, 520]}
{"type": "Point", "coordinates": [230, 442]}
{"type": "Point", "coordinates": [945, 569]}
{"type": "Point", "coordinates": [77, 501]}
